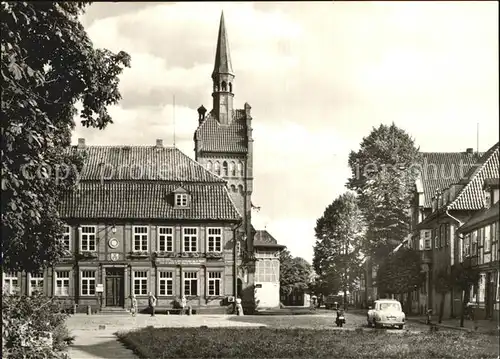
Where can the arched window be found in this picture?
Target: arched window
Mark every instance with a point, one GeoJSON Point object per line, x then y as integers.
{"type": "Point", "coordinates": [240, 188]}
{"type": "Point", "coordinates": [224, 169]}
{"type": "Point", "coordinates": [232, 169]}
{"type": "Point", "coordinates": [240, 169]}
{"type": "Point", "coordinates": [230, 87]}
{"type": "Point", "coordinates": [209, 166]}
{"type": "Point", "coordinates": [217, 168]}
{"type": "Point", "coordinates": [224, 86]}
{"type": "Point", "coordinates": [233, 188]}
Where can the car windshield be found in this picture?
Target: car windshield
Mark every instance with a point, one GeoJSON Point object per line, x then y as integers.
{"type": "Point", "coordinates": [390, 306]}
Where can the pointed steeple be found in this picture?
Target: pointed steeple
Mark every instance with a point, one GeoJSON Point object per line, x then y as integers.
{"type": "Point", "coordinates": [222, 56]}
{"type": "Point", "coordinates": [223, 78]}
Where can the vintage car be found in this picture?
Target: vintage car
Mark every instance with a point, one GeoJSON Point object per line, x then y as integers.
{"type": "Point", "coordinates": [386, 313]}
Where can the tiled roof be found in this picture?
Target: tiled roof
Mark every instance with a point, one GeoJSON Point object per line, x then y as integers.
{"type": "Point", "coordinates": [143, 163]}
{"type": "Point", "coordinates": [485, 216]}
{"type": "Point", "coordinates": [263, 238]}
{"type": "Point", "coordinates": [442, 169]}
{"type": "Point", "coordinates": [215, 137]}
{"type": "Point", "coordinates": [471, 197]}
{"type": "Point", "coordinates": [147, 200]}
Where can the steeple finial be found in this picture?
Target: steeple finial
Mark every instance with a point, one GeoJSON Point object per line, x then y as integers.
{"type": "Point", "coordinates": [222, 56]}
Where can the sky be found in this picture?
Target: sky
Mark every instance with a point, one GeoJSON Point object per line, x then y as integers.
{"type": "Point", "coordinates": [318, 75]}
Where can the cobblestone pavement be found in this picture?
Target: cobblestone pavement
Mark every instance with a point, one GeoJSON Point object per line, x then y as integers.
{"type": "Point", "coordinates": [322, 320]}
{"type": "Point", "coordinates": [95, 334]}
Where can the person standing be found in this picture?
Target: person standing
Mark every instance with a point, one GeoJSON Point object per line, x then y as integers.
{"type": "Point", "coordinates": [134, 305]}
{"type": "Point", "coordinates": [183, 304]}
{"type": "Point", "coordinates": [239, 307]}
{"type": "Point", "coordinates": [152, 303]}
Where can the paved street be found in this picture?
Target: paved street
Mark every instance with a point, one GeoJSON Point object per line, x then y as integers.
{"type": "Point", "coordinates": [92, 342]}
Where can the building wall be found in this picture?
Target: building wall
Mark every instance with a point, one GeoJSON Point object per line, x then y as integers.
{"type": "Point", "coordinates": [108, 255]}
{"type": "Point", "coordinates": [267, 278]}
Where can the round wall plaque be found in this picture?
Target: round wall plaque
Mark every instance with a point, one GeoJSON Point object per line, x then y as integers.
{"type": "Point", "coordinates": [113, 243]}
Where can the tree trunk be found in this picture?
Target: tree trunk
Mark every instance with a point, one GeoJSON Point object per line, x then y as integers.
{"type": "Point", "coordinates": [345, 299]}
{"type": "Point", "coordinates": [465, 297]}
{"type": "Point", "coordinates": [441, 307]}
{"type": "Point", "coordinates": [408, 304]}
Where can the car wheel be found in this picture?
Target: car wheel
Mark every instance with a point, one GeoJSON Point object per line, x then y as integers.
{"type": "Point", "coordinates": [375, 324]}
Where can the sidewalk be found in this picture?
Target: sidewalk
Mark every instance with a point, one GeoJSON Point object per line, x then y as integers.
{"type": "Point", "coordinates": [483, 326]}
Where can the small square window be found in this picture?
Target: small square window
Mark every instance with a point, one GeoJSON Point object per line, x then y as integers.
{"type": "Point", "coordinates": [181, 200]}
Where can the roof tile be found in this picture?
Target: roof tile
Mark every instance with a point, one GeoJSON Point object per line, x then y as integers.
{"type": "Point", "coordinates": [147, 200]}
{"type": "Point", "coordinates": [471, 197]}
{"type": "Point", "coordinates": [142, 163]}
{"type": "Point", "coordinates": [218, 138]}
{"type": "Point", "coordinates": [442, 169]}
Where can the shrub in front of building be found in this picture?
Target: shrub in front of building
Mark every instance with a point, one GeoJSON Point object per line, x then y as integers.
{"type": "Point", "coordinates": [33, 327]}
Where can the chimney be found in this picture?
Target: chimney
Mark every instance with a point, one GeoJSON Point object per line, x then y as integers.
{"type": "Point", "coordinates": [201, 114]}
{"type": "Point", "coordinates": [247, 109]}
{"type": "Point", "coordinates": [159, 143]}
{"type": "Point", "coordinates": [469, 151]}
{"type": "Point", "coordinates": [81, 143]}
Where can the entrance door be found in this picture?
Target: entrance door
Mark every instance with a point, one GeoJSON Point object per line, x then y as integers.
{"type": "Point", "coordinates": [115, 287]}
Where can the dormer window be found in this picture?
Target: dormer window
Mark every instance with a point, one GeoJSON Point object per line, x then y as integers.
{"type": "Point", "coordinates": [487, 199]}
{"type": "Point", "coordinates": [182, 198]}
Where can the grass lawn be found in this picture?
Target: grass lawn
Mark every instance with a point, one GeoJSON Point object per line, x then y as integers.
{"type": "Point", "coordinates": [158, 343]}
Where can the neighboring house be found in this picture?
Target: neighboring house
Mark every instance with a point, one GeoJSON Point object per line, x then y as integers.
{"type": "Point", "coordinates": [439, 170]}
{"type": "Point", "coordinates": [480, 246]}
{"type": "Point", "coordinates": [451, 208]}
{"type": "Point", "coordinates": [267, 270]}
{"type": "Point", "coordinates": [151, 219]}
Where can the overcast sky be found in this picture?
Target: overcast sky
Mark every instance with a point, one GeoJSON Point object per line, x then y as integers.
{"type": "Point", "coordinates": [318, 76]}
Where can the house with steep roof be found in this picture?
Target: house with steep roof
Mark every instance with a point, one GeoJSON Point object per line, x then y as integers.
{"type": "Point", "coordinates": [144, 219]}
{"type": "Point", "coordinates": [224, 146]}
{"type": "Point", "coordinates": [150, 219]}
{"type": "Point", "coordinates": [439, 170]}
{"type": "Point", "coordinates": [451, 208]}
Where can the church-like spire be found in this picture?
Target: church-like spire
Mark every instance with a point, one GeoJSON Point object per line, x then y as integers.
{"type": "Point", "coordinates": [222, 55]}
{"type": "Point", "coordinates": [223, 78]}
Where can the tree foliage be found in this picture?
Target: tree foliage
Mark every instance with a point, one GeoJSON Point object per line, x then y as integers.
{"type": "Point", "coordinates": [339, 234]}
{"type": "Point", "coordinates": [48, 65]}
{"type": "Point", "coordinates": [384, 171]}
{"type": "Point", "coordinates": [400, 272]}
{"type": "Point", "coordinates": [295, 273]}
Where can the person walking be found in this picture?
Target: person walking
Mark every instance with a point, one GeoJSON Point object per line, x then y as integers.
{"type": "Point", "coordinates": [152, 303]}
{"type": "Point", "coordinates": [134, 305]}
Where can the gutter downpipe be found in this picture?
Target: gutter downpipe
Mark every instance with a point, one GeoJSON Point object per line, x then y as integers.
{"type": "Point", "coordinates": [235, 264]}
{"type": "Point", "coordinates": [460, 223]}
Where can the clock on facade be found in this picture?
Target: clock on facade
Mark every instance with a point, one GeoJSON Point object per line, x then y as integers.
{"type": "Point", "coordinates": [113, 243]}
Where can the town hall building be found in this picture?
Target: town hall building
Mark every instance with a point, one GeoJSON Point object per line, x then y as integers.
{"type": "Point", "coordinates": [149, 219]}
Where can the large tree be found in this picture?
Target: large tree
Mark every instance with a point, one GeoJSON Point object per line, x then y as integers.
{"type": "Point", "coordinates": [339, 234]}
{"type": "Point", "coordinates": [295, 273]}
{"type": "Point", "coordinates": [400, 273]}
{"type": "Point", "coordinates": [48, 65]}
{"type": "Point", "coordinates": [384, 171]}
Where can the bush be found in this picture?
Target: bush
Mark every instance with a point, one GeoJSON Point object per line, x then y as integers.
{"type": "Point", "coordinates": [28, 322]}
